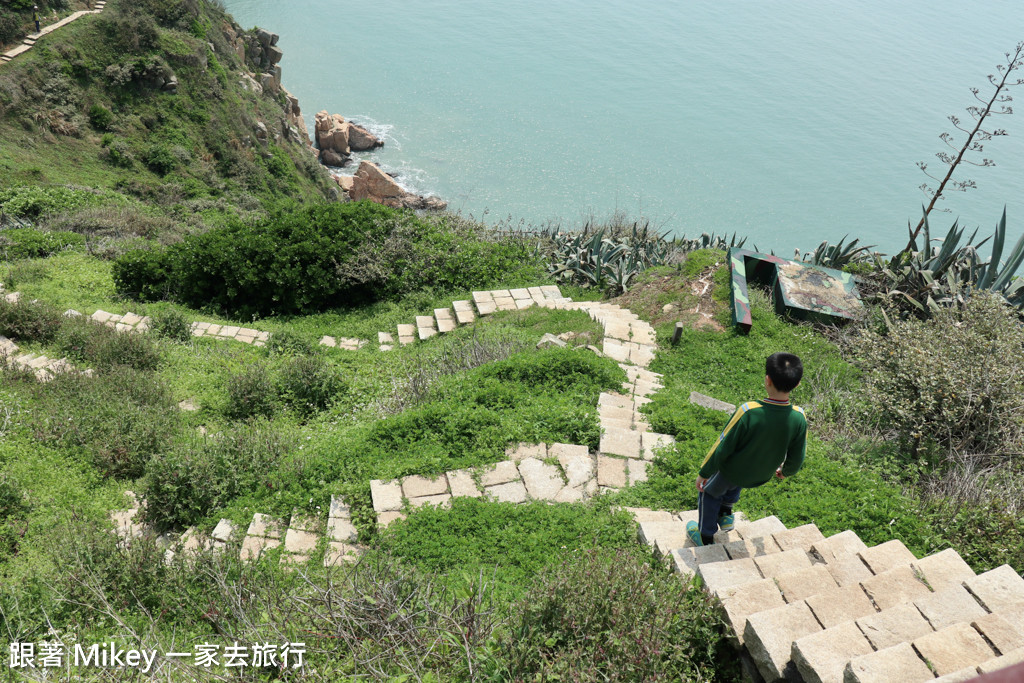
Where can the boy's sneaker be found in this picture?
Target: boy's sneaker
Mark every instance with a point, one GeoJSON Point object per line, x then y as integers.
{"type": "Point", "coordinates": [693, 531]}
{"type": "Point", "coordinates": [727, 522]}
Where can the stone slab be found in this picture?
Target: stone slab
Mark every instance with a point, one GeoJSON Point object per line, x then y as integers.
{"type": "Point", "coordinates": [338, 553]}
{"type": "Point", "coordinates": [651, 443]}
{"type": "Point", "coordinates": [462, 484]}
{"type": "Point", "coordinates": [766, 526]}
{"type": "Point", "coordinates": [570, 494]}
{"type": "Point", "coordinates": [687, 560]}
{"type": "Point", "coordinates": [300, 542]}
{"type": "Point", "coordinates": [821, 657]}
{"type": "Point", "coordinates": [224, 530]}
{"type": "Point", "coordinates": [611, 472]}
{"type": "Point", "coordinates": [542, 481]}
{"type": "Point", "coordinates": [649, 531]}
{"type": "Point", "coordinates": [464, 317]}
{"type": "Point", "coordinates": [425, 333]}
{"type": "Point", "coordinates": [953, 648]}
{"type": "Point", "coordinates": [838, 545]}
{"type": "Point", "coordinates": [500, 473]}
{"type": "Point", "coordinates": [754, 547]}
{"type": "Point", "coordinates": [897, 664]}
{"type": "Point", "coordinates": [961, 676]}
{"type": "Point", "coordinates": [254, 546]}
{"type": "Point", "coordinates": [385, 519]}
{"type": "Point", "coordinates": [624, 442]}
{"type": "Point", "coordinates": [741, 601]}
{"type": "Point", "coordinates": [406, 330]}
{"type": "Point", "coordinates": [521, 451]}
{"type": "Point", "coordinates": [849, 570]}
{"type": "Point", "coordinates": [886, 556]}
{"type": "Point", "coordinates": [577, 464]}
{"type": "Point", "coordinates": [840, 605]}
{"type": "Point", "coordinates": [999, 663]}
{"type": "Point", "coordinates": [899, 624]}
{"type": "Point", "coordinates": [1005, 632]}
{"type": "Point", "coordinates": [512, 492]}
{"type": "Point", "coordinates": [342, 530]}
{"type": "Point", "coordinates": [339, 508]}
{"type": "Point", "coordinates": [637, 470]}
{"type": "Point", "coordinates": [386, 496]}
{"type": "Point", "coordinates": [445, 325]}
{"type": "Point", "coordinates": [416, 486]}
{"type": "Point", "coordinates": [440, 500]}
{"type": "Point", "coordinates": [895, 586]}
{"type": "Point", "coordinates": [615, 401]}
{"type": "Point", "coordinates": [264, 525]}
{"type": "Point", "coordinates": [385, 338]}
{"type": "Point", "coordinates": [711, 403]}
{"type": "Point", "coordinates": [805, 583]}
{"type": "Point", "coordinates": [720, 575]}
{"type": "Point", "coordinates": [769, 637]}
{"type": "Point", "coordinates": [776, 564]}
{"type": "Point", "coordinates": [802, 537]}
{"type": "Point", "coordinates": [948, 607]}
{"type": "Point", "coordinates": [1000, 589]}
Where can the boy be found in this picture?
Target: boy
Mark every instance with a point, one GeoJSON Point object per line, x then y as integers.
{"type": "Point", "coordinates": [762, 438]}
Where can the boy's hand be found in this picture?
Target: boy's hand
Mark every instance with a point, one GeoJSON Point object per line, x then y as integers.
{"type": "Point", "coordinates": [779, 474]}
{"type": "Point", "coordinates": [700, 483]}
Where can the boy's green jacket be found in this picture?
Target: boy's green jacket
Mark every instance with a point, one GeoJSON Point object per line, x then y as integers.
{"type": "Point", "coordinates": [759, 437]}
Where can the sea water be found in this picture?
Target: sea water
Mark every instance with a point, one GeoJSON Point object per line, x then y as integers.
{"type": "Point", "coordinates": [790, 122]}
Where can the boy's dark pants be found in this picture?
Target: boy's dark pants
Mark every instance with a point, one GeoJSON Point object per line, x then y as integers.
{"type": "Point", "coordinates": [718, 492]}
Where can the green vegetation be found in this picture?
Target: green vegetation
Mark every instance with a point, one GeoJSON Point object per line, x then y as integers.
{"type": "Point", "coordinates": [121, 194]}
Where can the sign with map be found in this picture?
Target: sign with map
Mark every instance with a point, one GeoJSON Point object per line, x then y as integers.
{"type": "Point", "coordinates": [800, 290]}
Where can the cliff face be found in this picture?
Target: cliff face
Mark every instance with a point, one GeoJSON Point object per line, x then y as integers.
{"type": "Point", "coordinates": [170, 102]}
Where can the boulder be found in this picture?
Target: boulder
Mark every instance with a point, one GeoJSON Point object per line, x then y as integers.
{"type": "Point", "coordinates": [360, 139]}
{"type": "Point", "coordinates": [345, 182]}
{"type": "Point", "coordinates": [274, 55]}
{"type": "Point", "coordinates": [329, 157]}
{"type": "Point", "coordinates": [372, 183]}
{"type": "Point", "coordinates": [332, 132]}
{"type": "Point", "coordinates": [269, 82]}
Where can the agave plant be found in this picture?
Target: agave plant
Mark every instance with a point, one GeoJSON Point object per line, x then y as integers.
{"type": "Point", "coordinates": [709, 241]}
{"type": "Point", "coordinates": [837, 255]}
{"type": "Point", "coordinates": [592, 257]}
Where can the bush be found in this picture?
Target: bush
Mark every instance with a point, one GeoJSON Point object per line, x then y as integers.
{"type": "Point", "coordinates": [118, 419]}
{"type": "Point", "coordinates": [119, 153]}
{"type": "Point", "coordinates": [160, 159]}
{"type": "Point", "coordinates": [173, 325]}
{"type": "Point", "coordinates": [35, 201]}
{"type": "Point", "coordinates": [10, 27]}
{"type": "Point", "coordinates": [251, 394]}
{"type": "Point", "coordinates": [29, 321]}
{"type": "Point", "coordinates": [955, 382]}
{"type": "Point", "coordinates": [612, 616]}
{"type": "Point", "coordinates": [289, 343]}
{"type": "Point", "coordinates": [186, 483]}
{"type": "Point", "coordinates": [103, 347]}
{"type": "Point", "coordinates": [100, 117]}
{"type": "Point", "coordinates": [142, 274]}
{"type": "Point", "coordinates": [22, 243]}
{"type": "Point", "coordinates": [310, 384]}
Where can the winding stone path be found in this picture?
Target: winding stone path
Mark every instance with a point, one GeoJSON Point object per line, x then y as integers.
{"type": "Point", "coordinates": [31, 39]}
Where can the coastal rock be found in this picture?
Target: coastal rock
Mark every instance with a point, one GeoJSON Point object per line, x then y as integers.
{"type": "Point", "coordinates": [274, 55]}
{"type": "Point", "coordinates": [332, 132]}
{"type": "Point", "coordinates": [360, 139]}
{"type": "Point", "coordinates": [346, 182]}
{"type": "Point", "coordinates": [372, 183]}
{"type": "Point", "coordinates": [328, 157]}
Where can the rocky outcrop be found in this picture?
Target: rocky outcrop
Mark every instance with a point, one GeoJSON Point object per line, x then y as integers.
{"type": "Point", "coordinates": [328, 157]}
{"type": "Point", "coordinates": [361, 140]}
{"type": "Point", "coordinates": [370, 182]}
{"type": "Point", "coordinates": [332, 133]}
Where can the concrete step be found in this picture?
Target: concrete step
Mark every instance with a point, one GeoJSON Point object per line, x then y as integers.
{"type": "Point", "coordinates": [444, 319]}
{"type": "Point", "coordinates": [463, 312]}
{"type": "Point", "coordinates": [406, 334]}
{"type": "Point", "coordinates": [425, 327]}
{"type": "Point", "coordinates": [301, 539]}
{"type": "Point", "coordinates": [385, 341]}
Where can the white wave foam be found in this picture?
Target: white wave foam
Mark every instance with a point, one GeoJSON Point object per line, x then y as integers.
{"type": "Point", "coordinates": [382, 130]}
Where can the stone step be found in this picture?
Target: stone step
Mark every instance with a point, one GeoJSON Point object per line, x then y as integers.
{"type": "Point", "coordinates": [301, 539]}
{"type": "Point", "coordinates": [444, 318]}
{"type": "Point", "coordinates": [425, 327]}
{"type": "Point", "coordinates": [385, 341]}
{"type": "Point", "coordinates": [406, 334]}
{"type": "Point", "coordinates": [463, 312]}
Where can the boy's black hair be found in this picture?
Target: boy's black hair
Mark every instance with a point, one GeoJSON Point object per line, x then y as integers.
{"type": "Point", "coordinates": [785, 370]}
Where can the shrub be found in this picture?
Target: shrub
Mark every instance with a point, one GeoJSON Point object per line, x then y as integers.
{"type": "Point", "coordinates": [612, 616]}
{"type": "Point", "coordinates": [10, 27]}
{"type": "Point", "coordinates": [100, 117]}
{"type": "Point", "coordinates": [172, 324]}
{"type": "Point", "coordinates": [104, 347]}
{"type": "Point", "coordinates": [35, 201]}
{"type": "Point", "coordinates": [160, 159]}
{"type": "Point", "coordinates": [119, 419]}
{"type": "Point", "coordinates": [310, 384]}
{"type": "Point", "coordinates": [12, 507]}
{"type": "Point", "coordinates": [288, 343]}
{"type": "Point", "coordinates": [955, 382]}
{"type": "Point", "coordinates": [251, 394]}
{"type": "Point", "coordinates": [22, 243]}
{"type": "Point", "coordinates": [119, 153]}
{"type": "Point", "coordinates": [29, 321]}
{"type": "Point", "coordinates": [557, 369]}
{"type": "Point", "coordinates": [142, 274]}
{"type": "Point", "coordinates": [185, 483]}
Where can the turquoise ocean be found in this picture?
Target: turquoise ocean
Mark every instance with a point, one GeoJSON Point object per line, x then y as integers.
{"type": "Point", "coordinates": [789, 121]}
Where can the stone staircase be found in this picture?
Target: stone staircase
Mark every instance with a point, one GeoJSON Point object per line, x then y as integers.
{"type": "Point", "coordinates": [31, 39]}
{"type": "Point", "coordinates": [43, 367]}
{"type": "Point", "coordinates": [804, 607]}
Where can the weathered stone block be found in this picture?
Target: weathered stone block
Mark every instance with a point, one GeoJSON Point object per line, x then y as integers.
{"type": "Point", "coordinates": [897, 664]}
{"type": "Point", "coordinates": [650, 531]}
{"type": "Point", "coordinates": [300, 542]}
{"type": "Point", "coordinates": [802, 537]}
{"type": "Point", "coordinates": [406, 330]}
{"type": "Point", "coordinates": [1005, 632]}
{"type": "Point", "coordinates": [998, 590]}
{"type": "Point", "coordinates": [542, 481]}
{"type": "Point", "coordinates": [769, 637]}
{"type": "Point", "coordinates": [342, 530]}
{"type": "Point", "coordinates": [755, 547]}
{"type": "Point", "coordinates": [953, 648]}
{"type": "Point", "coordinates": [512, 492]}
{"type": "Point", "coordinates": [610, 400]}
{"type": "Point", "coordinates": [719, 575]}
{"type": "Point", "coordinates": [999, 663]}
{"type": "Point", "coordinates": [576, 462]}
{"type": "Point", "coordinates": [886, 556]}
{"type": "Point", "coordinates": [943, 570]}
{"type": "Point", "coordinates": [264, 525]}
{"type": "Point", "coordinates": [804, 583]}
{"type": "Point", "coordinates": [224, 530]}
{"type": "Point", "coordinates": [385, 519]}
{"type": "Point", "coordinates": [624, 442]}
{"type": "Point", "coordinates": [841, 605]}
{"type": "Point", "coordinates": [711, 403]}
{"type": "Point", "coordinates": [686, 560]}
{"type": "Point", "coordinates": [439, 500]}
{"type": "Point", "coordinates": [499, 473]}
{"type": "Point", "coordinates": [521, 451]}
{"type": "Point", "coordinates": [741, 601]}
{"type": "Point", "coordinates": [899, 624]}
{"type": "Point", "coordinates": [839, 545]}
{"type": "Point", "coordinates": [895, 586]}
{"type": "Point", "coordinates": [652, 443]}
{"type": "Point", "coordinates": [611, 472]}
{"type": "Point", "coordinates": [961, 676]}
{"type": "Point", "coordinates": [254, 546]}
{"type": "Point", "coordinates": [462, 484]}
{"type": "Point", "coordinates": [570, 494]}
{"type": "Point", "coordinates": [776, 564]}
{"type": "Point", "coordinates": [849, 570]}
{"type": "Point", "coordinates": [386, 495]}
{"type": "Point", "coordinates": [637, 470]}
{"type": "Point", "coordinates": [340, 552]}
{"type": "Point", "coordinates": [416, 486]}
{"type": "Point", "coordinates": [950, 606]}
{"type": "Point", "coordinates": [339, 508]}
{"type": "Point", "coordinates": [821, 657]}
{"type": "Point", "coordinates": [766, 526]}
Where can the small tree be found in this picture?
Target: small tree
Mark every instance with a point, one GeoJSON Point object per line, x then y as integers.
{"type": "Point", "coordinates": [998, 103]}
